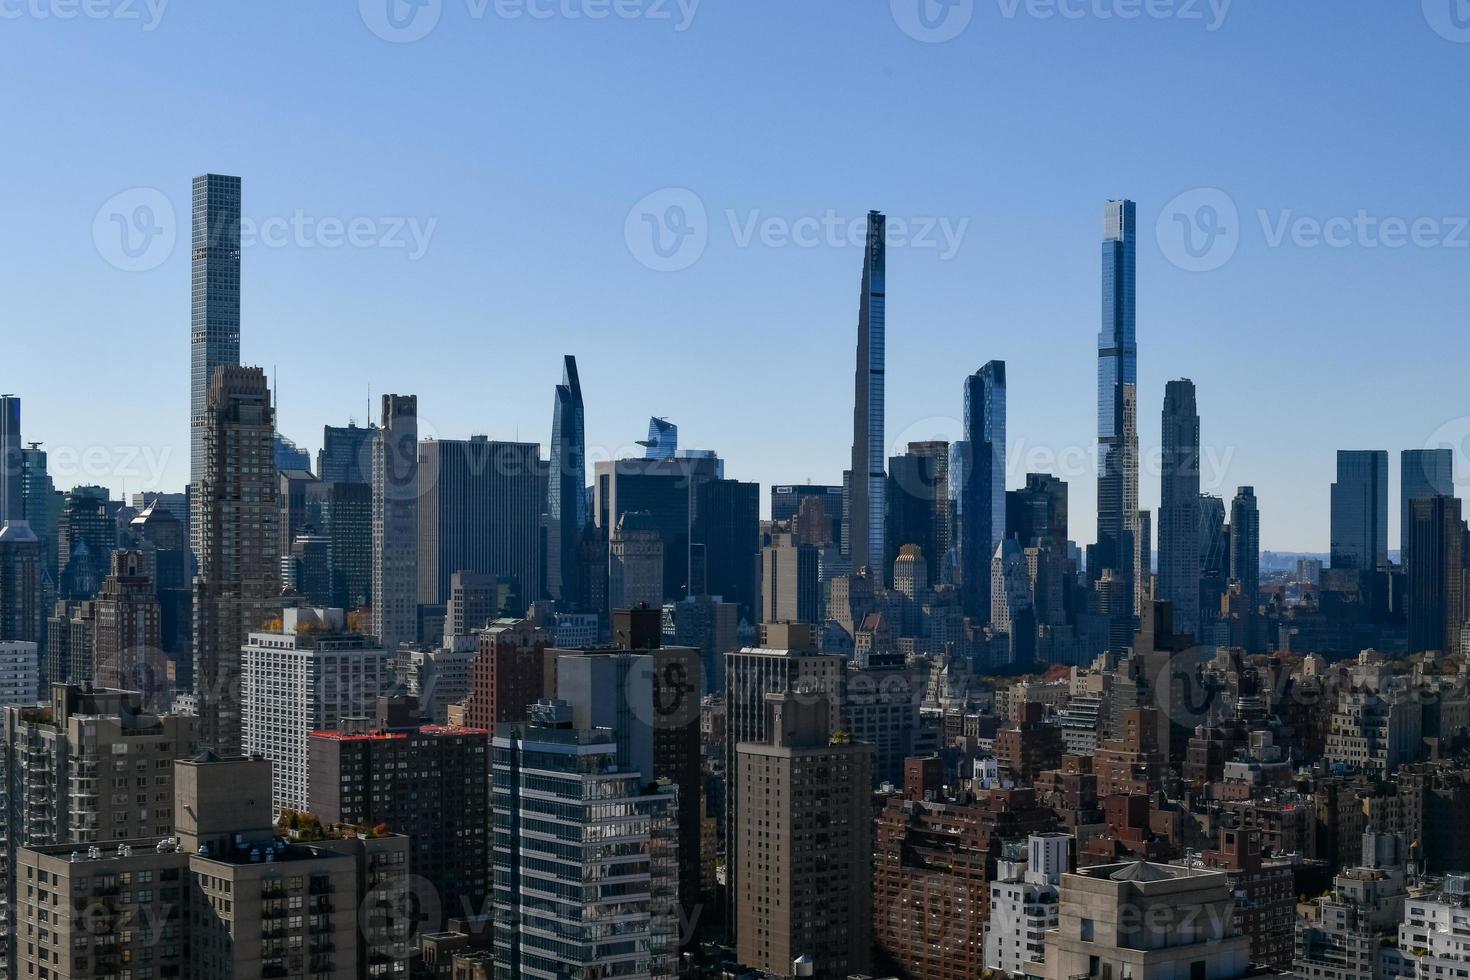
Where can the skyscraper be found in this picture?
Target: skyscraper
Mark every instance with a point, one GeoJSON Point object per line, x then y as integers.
{"type": "Point", "coordinates": [869, 482]}
{"type": "Point", "coordinates": [977, 487]}
{"type": "Point", "coordinates": [1214, 562]}
{"type": "Point", "coordinates": [1245, 555]}
{"type": "Point", "coordinates": [1117, 405]}
{"type": "Point", "coordinates": [346, 455]}
{"type": "Point", "coordinates": [919, 507]}
{"type": "Point", "coordinates": [1179, 507]}
{"type": "Point", "coordinates": [1423, 473]}
{"type": "Point", "coordinates": [1436, 574]}
{"type": "Point", "coordinates": [395, 522]}
{"type": "Point", "coordinates": [803, 877]}
{"type": "Point", "coordinates": [617, 822]}
{"type": "Point", "coordinates": [1360, 509]}
{"type": "Point", "coordinates": [662, 441]}
{"type": "Point", "coordinates": [724, 548]}
{"type": "Point", "coordinates": [128, 637]}
{"type": "Point", "coordinates": [480, 507]}
{"type": "Point", "coordinates": [566, 489]}
{"type": "Point", "coordinates": [238, 586]}
{"type": "Point", "coordinates": [12, 506]}
{"type": "Point", "coordinates": [214, 312]}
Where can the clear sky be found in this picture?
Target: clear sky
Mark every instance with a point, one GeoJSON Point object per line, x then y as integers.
{"type": "Point", "coordinates": [517, 138]}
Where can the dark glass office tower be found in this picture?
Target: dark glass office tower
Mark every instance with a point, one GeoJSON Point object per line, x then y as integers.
{"type": "Point", "coordinates": [214, 311]}
{"type": "Point", "coordinates": [1179, 511]}
{"type": "Point", "coordinates": [869, 482]}
{"type": "Point", "coordinates": [1423, 473]}
{"type": "Point", "coordinates": [977, 487]}
{"type": "Point", "coordinates": [1245, 556]}
{"type": "Point", "coordinates": [918, 507]}
{"type": "Point", "coordinates": [1117, 407]}
{"type": "Point", "coordinates": [1214, 562]}
{"type": "Point", "coordinates": [346, 455]}
{"type": "Point", "coordinates": [12, 459]}
{"type": "Point", "coordinates": [1436, 574]}
{"type": "Point", "coordinates": [1360, 510]}
{"type": "Point", "coordinates": [724, 548]}
{"type": "Point", "coordinates": [1036, 516]}
{"type": "Point", "coordinates": [566, 494]}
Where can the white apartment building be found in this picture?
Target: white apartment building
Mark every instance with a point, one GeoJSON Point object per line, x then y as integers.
{"type": "Point", "coordinates": [305, 678]}
{"type": "Point", "coordinates": [1024, 900]}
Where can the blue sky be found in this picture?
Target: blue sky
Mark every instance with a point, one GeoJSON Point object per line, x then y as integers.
{"type": "Point", "coordinates": [520, 148]}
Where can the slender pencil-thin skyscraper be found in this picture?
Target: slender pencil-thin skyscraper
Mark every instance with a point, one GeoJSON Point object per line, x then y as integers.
{"type": "Point", "coordinates": [12, 460]}
{"type": "Point", "coordinates": [214, 311]}
{"type": "Point", "coordinates": [1179, 510]}
{"type": "Point", "coordinates": [1117, 405]}
{"type": "Point", "coordinates": [869, 479]}
{"type": "Point", "coordinates": [566, 490]}
{"type": "Point", "coordinates": [978, 486]}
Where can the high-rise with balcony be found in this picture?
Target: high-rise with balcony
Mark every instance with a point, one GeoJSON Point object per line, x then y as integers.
{"type": "Point", "coordinates": [869, 482]}
{"type": "Point", "coordinates": [214, 310]}
{"type": "Point", "coordinates": [238, 586]}
{"type": "Point", "coordinates": [1117, 415]}
{"type": "Point", "coordinates": [586, 857]}
{"type": "Point", "coordinates": [1179, 507]}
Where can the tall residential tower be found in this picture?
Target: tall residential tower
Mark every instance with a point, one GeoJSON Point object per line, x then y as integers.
{"type": "Point", "coordinates": [1179, 507]}
{"type": "Point", "coordinates": [869, 480]}
{"type": "Point", "coordinates": [214, 311]}
{"type": "Point", "coordinates": [1117, 411]}
{"type": "Point", "coordinates": [566, 488]}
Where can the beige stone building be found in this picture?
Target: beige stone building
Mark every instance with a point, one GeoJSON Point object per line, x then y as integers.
{"type": "Point", "coordinates": [804, 826]}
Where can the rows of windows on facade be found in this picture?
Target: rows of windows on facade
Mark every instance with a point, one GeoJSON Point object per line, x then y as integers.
{"type": "Point", "coordinates": [431, 707]}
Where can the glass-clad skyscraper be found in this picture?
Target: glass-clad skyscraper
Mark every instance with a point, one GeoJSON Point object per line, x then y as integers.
{"type": "Point", "coordinates": [566, 491]}
{"type": "Point", "coordinates": [1117, 409]}
{"type": "Point", "coordinates": [1179, 507]}
{"type": "Point", "coordinates": [869, 477]}
{"type": "Point", "coordinates": [977, 486]}
{"type": "Point", "coordinates": [214, 310]}
{"type": "Point", "coordinates": [1360, 510]}
{"type": "Point", "coordinates": [1423, 473]}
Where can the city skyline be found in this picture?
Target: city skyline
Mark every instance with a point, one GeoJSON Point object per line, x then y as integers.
{"type": "Point", "coordinates": [1020, 287]}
